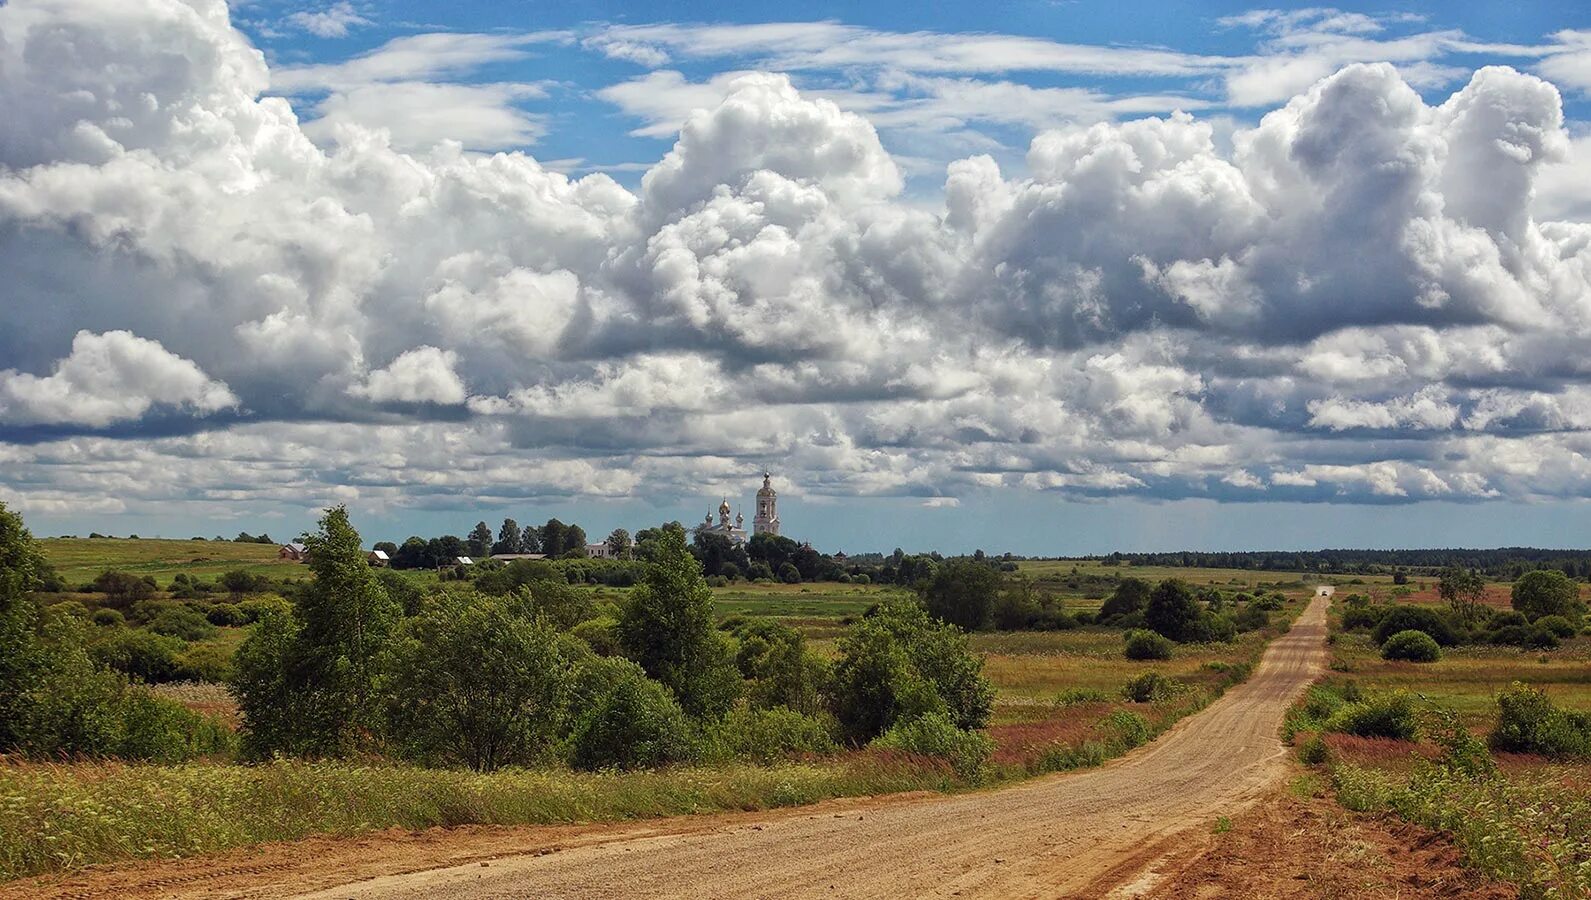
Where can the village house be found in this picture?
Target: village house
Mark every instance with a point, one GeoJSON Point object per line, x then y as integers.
{"type": "Point", "coordinates": [295, 552]}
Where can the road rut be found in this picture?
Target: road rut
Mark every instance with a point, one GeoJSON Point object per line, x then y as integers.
{"type": "Point", "coordinates": [1075, 835]}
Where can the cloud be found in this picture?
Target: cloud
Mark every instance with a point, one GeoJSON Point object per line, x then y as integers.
{"type": "Point", "coordinates": [331, 22]}
{"type": "Point", "coordinates": [1362, 297]}
{"type": "Point", "coordinates": [421, 375]}
{"type": "Point", "coordinates": [108, 378]}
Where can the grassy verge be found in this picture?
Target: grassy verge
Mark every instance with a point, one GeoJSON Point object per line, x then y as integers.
{"type": "Point", "coordinates": [1531, 827]}
{"type": "Point", "coordinates": [60, 817]}
{"type": "Point", "coordinates": [56, 818]}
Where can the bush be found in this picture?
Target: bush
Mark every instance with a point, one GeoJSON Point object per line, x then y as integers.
{"type": "Point", "coordinates": [476, 685]}
{"type": "Point", "coordinates": [897, 664]}
{"type": "Point", "coordinates": [666, 625]}
{"type": "Point", "coordinates": [1411, 646]}
{"type": "Point", "coordinates": [1541, 638]}
{"type": "Point", "coordinates": [182, 622]}
{"type": "Point", "coordinates": [225, 615]}
{"type": "Point", "coordinates": [1173, 612]}
{"type": "Point", "coordinates": [631, 722]}
{"type": "Point", "coordinates": [140, 654]}
{"type": "Point", "coordinates": [1151, 687]}
{"type": "Point", "coordinates": [257, 608]}
{"type": "Point", "coordinates": [1251, 618]}
{"type": "Point", "coordinates": [1547, 592]}
{"type": "Point", "coordinates": [1144, 645]}
{"type": "Point", "coordinates": [1392, 715]}
{"type": "Point", "coordinates": [767, 735]}
{"type": "Point", "coordinates": [600, 634]}
{"type": "Point", "coordinates": [205, 662]}
{"type": "Point", "coordinates": [1314, 752]}
{"type": "Point", "coordinates": [1416, 618]}
{"type": "Point", "coordinates": [933, 734]}
{"type": "Point", "coordinates": [1529, 722]}
{"type": "Point", "coordinates": [154, 729]}
{"type": "Point", "coordinates": [108, 618]}
{"type": "Point", "coordinates": [1125, 729]}
{"type": "Point", "coordinates": [1558, 625]}
{"type": "Point", "coordinates": [1131, 596]}
{"type": "Point", "coordinates": [1514, 635]}
{"type": "Point", "coordinates": [1362, 617]}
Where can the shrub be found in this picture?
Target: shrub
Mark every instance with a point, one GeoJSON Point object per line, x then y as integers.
{"type": "Point", "coordinates": [1416, 618]}
{"type": "Point", "coordinates": [154, 729]}
{"type": "Point", "coordinates": [1151, 687]}
{"type": "Point", "coordinates": [1529, 722]}
{"type": "Point", "coordinates": [1515, 635]}
{"type": "Point", "coordinates": [182, 622]}
{"type": "Point", "coordinates": [402, 590]}
{"type": "Point", "coordinates": [140, 654]}
{"type": "Point", "coordinates": [934, 734]}
{"type": "Point", "coordinates": [226, 614]}
{"type": "Point", "coordinates": [1173, 612]}
{"type": "Point", "coordinates": [631, 721]}
{"type": "Point", "coordinates": [1507, 619]}
{"type": "Point", "coordinates": [1540, 638]}
{"type": "Point", "coordinates": [257, 608]}
{"type": "Point", "coordinates": [1362, 617]}
{"type": "Point", "coordinates": [1411, 646]}
{"type": "Point", "coordinates": [1125, 729]}
{"type": "Point", "coordinates": [1144, 645]}
{"type": "Point", "coordinates": [897, 664]}
{"type": "Point", "coordinates": [1131, 596]}
{"type": "Point", "coordinates": [1392, 715]}
{"type": "Point", "coordinates": [1558, 625]}
{"type": "Point", "coordinates": [108, 618]}
{"type": "Point", "coordinates": [1547, 592]}
{"type": "Point", "coordinates": [774, 659]}
{"type": "Point", "coordinates": [1314, 752]}
{"type": "Point", "coordinates": [1251, 618]}
{"type": "Point", "coordinates": [767, 735]}
{"type": "Point", "coordinates": [205, 662]}
{"type": "Point", "coordinates": [666, 625]}
{"type": "Point", "coordinates": [122, 587]}
{"type": "Point", "coordinates": [600, 634]}
{"type": "Point", "coordinates": [474, 684]}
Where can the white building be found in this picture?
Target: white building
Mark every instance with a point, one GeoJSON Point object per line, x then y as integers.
{"type": "Point", "coordinates": [767, 519]}
{"type": "Point", "coordinates": [735, 530]}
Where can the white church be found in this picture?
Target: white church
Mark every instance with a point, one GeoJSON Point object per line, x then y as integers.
{"type": "Point", "coordinates": [766, 521]}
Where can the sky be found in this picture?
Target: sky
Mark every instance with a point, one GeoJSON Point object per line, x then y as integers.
{"type": "Point", "coordinates": [1046, 277]}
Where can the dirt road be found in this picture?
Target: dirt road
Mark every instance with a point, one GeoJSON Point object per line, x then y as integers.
{"type": "Point", "coordinates": [1086, 834]}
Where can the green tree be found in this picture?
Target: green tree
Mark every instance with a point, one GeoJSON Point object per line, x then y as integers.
{"type": "Point", "coordinates": [474, 684]}
{"type": "Point", "coordinates": [1465, 593]}
{"type": "Point", "coordinates": [1547, 592]}
{"type": "Point", "coordinates": [480, 540]}
{"type": "Point", "coordinates": [962, 592]}
{"type": "Point", "coordinates": [618, 542]}
{"type": "Point", "coordinates": [508, 538]}
{"type": "Point", "coordinates": [21, 664]}
{"type": "Point", "coordinates": [1131, 595]}
{"type": "Point", "coordinates": [897, 664]}
{"type": "Point", "coordinates": [1173, 612]}
{"type": "Point", "coordinates": [666, 625]}
{"type": "Point", "coordinates": [308, 684]}
{"type": "Point", "coordinates": [552, 538]}
{"type": "Point", "coordinates": [574, 542]}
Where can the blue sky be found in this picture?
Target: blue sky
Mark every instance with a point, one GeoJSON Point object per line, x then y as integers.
{"type": "Point", "coordinates": [1044, 277]}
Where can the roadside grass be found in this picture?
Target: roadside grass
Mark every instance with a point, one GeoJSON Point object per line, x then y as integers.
{"type": "Point", "coordinates": [55, 818]}
{"type": "Point", "coordinates": [1529, 823]}
{"type": "Point", "coordinates": [1058, 707]}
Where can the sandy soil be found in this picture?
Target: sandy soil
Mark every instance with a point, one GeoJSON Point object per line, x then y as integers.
{"type": "Point", "coordinates": [1309, 847]}
{"type": "Point", "coordinates": [1079, 835]}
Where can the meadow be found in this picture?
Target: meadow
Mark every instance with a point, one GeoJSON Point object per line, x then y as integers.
{"type": "Point", "coordinates": [1522, 818]}
{"type": "Point", "coordinates": [1058, 705]}
{"type": "Point", "coordinates": [79, 560]}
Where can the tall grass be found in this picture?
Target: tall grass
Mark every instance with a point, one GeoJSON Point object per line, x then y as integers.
{"type": "Point", "coordinates": [1529, 828]}
{"type": "Point", "coordinates": [60, 817]}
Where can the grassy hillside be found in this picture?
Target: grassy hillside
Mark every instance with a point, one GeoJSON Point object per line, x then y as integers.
{"type": "Point", "coordinates": [80, 559]}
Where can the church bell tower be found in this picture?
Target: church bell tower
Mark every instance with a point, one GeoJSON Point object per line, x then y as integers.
{"type": "Point", "coordinates": [767, 518]}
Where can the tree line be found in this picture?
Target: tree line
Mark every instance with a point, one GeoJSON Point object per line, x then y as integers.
{"type": "Point", "coordinates": [1505, 563]}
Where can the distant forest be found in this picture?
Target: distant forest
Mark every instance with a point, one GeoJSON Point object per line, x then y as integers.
{"type": "Point", "coordinates": [1503, 562]}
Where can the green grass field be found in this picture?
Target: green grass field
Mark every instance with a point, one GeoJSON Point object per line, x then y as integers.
{"type": "Point", "coordinates": [79, 560]}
